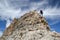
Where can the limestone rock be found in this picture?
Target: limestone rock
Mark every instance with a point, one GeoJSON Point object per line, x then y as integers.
{"type": "Point", "coordinates": [31, 26]}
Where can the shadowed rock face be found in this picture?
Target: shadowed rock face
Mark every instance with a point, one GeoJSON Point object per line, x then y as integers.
{"type": "Point", "coordinates": [31, 26]}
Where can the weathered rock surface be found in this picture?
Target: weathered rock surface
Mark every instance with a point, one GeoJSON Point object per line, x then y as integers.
{"type": "Point", "coordinates": [31, 26]}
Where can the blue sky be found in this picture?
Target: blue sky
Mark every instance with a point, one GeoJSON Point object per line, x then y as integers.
{"type": "Point", "coordinates": [10, 9]}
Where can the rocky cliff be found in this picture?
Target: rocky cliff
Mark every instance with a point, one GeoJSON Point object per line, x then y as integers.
{"type": "Point", "coordinates": [30, 26]}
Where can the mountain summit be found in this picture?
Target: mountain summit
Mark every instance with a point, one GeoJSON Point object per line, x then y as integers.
{"type": "Point", "coordinates": [30, 26]}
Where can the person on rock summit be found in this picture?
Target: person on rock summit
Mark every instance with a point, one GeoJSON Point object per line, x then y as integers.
{"type": "Point", "coordinates": [41, 12]}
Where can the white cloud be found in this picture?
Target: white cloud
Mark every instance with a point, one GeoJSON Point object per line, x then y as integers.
{"type": "Point", "coordinates": [52, 11]}
{"type": "Point", "coordinates": [8, 23]}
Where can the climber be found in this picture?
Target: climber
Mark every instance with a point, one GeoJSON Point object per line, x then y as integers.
{"type": "Point", "coordinates": [41, 12]}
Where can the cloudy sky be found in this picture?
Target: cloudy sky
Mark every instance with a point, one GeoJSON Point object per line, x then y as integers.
{"type": "Point", "coordinates": [10, 9]}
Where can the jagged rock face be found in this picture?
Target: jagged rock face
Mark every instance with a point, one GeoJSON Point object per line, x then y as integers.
{"type": "Point", "coordinates": [30, 26]}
